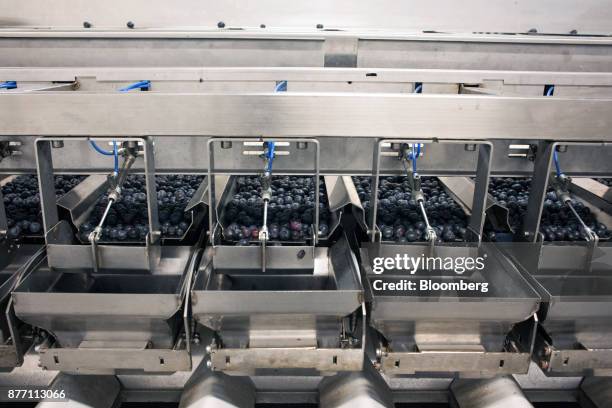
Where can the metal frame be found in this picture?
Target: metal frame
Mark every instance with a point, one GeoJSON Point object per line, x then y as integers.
{"type": "Point", "coordinates": [59, 237]}
{"type": "Point", "coordinates": [309, 115]}
{"type": "Point", "coordinates": [212, 205]}
{"type": "Point", "coordinates": [470, 50]}
{"type": "Point", "coordinates": [479, 200]}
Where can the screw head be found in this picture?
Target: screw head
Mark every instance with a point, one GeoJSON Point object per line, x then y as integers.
{"type": "Point", "coordinates": [574, 32]}
{"type": "Point", "coordinates": [220, 24]}
{"type": "Point", "coordinates": [319, 26]}
{"type": "Point", "coordinates": [209, 364]}
{"type": "Point", "coordinates": [130, 24]}
{"type": "Point", "coordinates": [532, 30]}
{"type": "Point", "coordinates": [262, 26]}
{"type": "Point", "coordinates": [86, 24]}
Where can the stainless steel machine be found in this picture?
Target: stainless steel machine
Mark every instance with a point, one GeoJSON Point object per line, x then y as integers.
{"type": "Point", "coordinates": [261, 188]}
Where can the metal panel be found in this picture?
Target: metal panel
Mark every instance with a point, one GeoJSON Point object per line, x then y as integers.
{"type": "Point", "coordinates": [492, 363]}
{"type": "Point", "coordinates": [324, 360]}
{"type": "Point", "coordinates": [175, 52]}
{"type": "Point", "coordinates": [101, 359]}
{"type": "Point", "coordinates": [307, 115]}
{"type": "Point", "coordinates": [520, 55]}
{"type": "Point", "coordinates": [107, 78]}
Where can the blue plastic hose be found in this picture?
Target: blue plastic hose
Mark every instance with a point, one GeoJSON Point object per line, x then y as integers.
{"type": "Point", "coordinates": [142, 85]}
{"type": "Point", "coordinates": [270, 155]}
{"type": "Point", "coordinates": [100, 150]}
{"type": "Point", "coordinates": [281, 86]}
{"type": "Point", "coordinates": [114, 153]}
{"type": "Point", "coordinates": [8, 85]}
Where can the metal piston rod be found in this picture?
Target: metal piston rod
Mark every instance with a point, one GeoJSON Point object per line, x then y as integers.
{"type": "Point", "coordinates": [411, 153]}
{"type": "Point", "coordinates": [561, 184]}
{"type": "Point", "coordinates": [116, 182]}
{"type": "Point", "coordinates": [266, 194]}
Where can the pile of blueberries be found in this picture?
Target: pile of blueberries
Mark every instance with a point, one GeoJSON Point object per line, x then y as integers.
{"type": "Point", "coordinates": [399, 217]}
{"type": "Point", "coordinates": [128, 219]}
{"type": "Point", "coordinates": [558, 223]}
{"type": "Point", "coordinates": [291, 210]}
{"type": "Point", "coordinates": [22, 203]}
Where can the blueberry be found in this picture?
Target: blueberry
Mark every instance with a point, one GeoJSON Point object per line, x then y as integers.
{"type": "Point", "coordinates": [412, 236]}
{"type": "Point", "coordinates": [323, 229]}
{"type": "Point", "coordinates": [14, 232]}
{"type": "Point", "coordinates": [387, 232]}
{"type": "Point", "coordinates": [35, 228]}
{"type": "Point", "coordinates": [132, 233]}
{"type": "Point", "coordinates": [448, 236]}
{"type": "Point", "coordinates": [284, 234]}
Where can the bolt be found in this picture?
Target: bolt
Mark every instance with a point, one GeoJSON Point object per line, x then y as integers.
{"type": "Point", "coordinates": [86, 24]}
{"type": "Point", "coordinates": [57, 144]}
{"type": "Point", "coordinates": [130, 24]}
{"type": "Point", "coordinates": [220, 24]}
{"type": "Point", "coordinates": [319, 26]}
{"type": "Point", "coordinates": [209, 364]}
{"type": "Point", "coordinates": [196, 339]}
{"type": "Point", "coordinates": [379, 352]}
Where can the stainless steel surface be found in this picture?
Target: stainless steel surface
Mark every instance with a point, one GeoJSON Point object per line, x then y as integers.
{"type": "Point", "coordinates": [308, 115]}
{"type": "Point", "coordinates": [207, 389]}
{"type": "Point", "coordinates": [168, 322]}
{"type": "Point", "coordinates": [598, 390]}
{"type": "Point", "coordinates": [496, 393]}
{"type": "Point", "coordinates": [84, 392]}
{"type": "Point", "coordinates": [362, 389]}
{"type": "Point", "coordinates": [452, 331]}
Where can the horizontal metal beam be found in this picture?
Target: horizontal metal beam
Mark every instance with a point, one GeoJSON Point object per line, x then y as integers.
{"type": "Point", "coordinates": [307, 115]}
{"type": "Point", "coordinates": [305, 74]}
